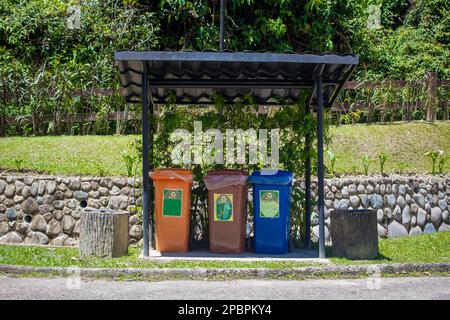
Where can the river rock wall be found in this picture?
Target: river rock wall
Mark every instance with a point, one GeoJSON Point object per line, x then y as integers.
{"type": "Point", "coordinates": [47, 209]}
{"type": "Point", "coordinates": [405, 205]}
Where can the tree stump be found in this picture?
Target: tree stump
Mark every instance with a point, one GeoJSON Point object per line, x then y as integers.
{"type": "Point", "coordinates": [354, 234]}
{"type": "Point", "coordinates": [104, 233]}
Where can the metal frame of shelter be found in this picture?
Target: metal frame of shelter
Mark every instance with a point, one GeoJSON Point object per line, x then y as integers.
{"type": "Point", "coordinates": [149, 77]}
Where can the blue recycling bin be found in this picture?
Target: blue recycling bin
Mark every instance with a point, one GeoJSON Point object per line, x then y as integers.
{"type": "Point", "coordinates": [271, 210]}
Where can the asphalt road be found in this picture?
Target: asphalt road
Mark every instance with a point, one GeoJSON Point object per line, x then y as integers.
{"type": "Point", "coordinates": [387, 288]}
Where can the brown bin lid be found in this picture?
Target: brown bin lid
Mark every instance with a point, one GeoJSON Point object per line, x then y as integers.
{"type": "Point", "coordinates": [222, 178]}
{"type": "Point", "coordinates": [172, 174]}
{"type": "Point", "coordinates": [227, 172]}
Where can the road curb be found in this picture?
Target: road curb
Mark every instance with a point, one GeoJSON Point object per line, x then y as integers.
{"type": "Point", "coordinates": [254, 273]}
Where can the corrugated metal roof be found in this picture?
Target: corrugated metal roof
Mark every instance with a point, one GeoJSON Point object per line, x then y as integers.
{"type": "Point", "coordinates": [193, 77]}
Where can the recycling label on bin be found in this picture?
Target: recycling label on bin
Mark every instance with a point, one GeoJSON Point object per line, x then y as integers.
{"type": "Point", "coordinates": [172, 202]}
{"type": "Point", "coordinates": [223, 207]}
{"type": "Point", "coordinates": [269, 206]}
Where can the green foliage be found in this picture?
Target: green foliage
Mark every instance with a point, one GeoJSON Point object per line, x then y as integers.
{"type": "Point", "coordinates": [402, 142]}
{"type": "Point", "coordinates": [101, 169]}
{"type": "Point", "coordinates": [412, 40]}
{"type": "Point", "coordinates": [441, 164]}
{"type": "Point", "coordinates": [42, 60]}
{"type": "Point", "coordinates": [294, 123]}
{"type": "Point", "coordinates": [69, 256]}
{"type": "Point", "coordinates": [366, 162]}
{"type": "Point", "coordinates": [18, 164]}
{"type": "Point", "coordinates": [298, 232]}
{"type": "Point", "coordinates": [402, 167]}
{"type": "Point", "coordinates": [433, 155]}
{"type": "Point", "coordinates": [424, 248]}
{"type": "Point", "coordinates": [354, 169]}
{"type": "Point", "coordinates": [332, 159]}
{"type": "Point", "coordinates": [437, 157]}
{"type": "Point", "coordinates": [382, 157]}
{"type": "Point", "coordinates": [71, 155]}
{"type": "Point", "coordinates": [130, 163]}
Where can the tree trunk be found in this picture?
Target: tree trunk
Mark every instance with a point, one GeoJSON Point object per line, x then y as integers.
{"type": "Point", "coordinates": [354, 234]}
{"type": "Point", "coordinates": [104, 233]}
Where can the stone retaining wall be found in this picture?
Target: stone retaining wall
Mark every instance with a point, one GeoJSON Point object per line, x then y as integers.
{"type": "Point", "coordinates": [47, 209]}
{"type": "Point", "coordinates": [406, 205]}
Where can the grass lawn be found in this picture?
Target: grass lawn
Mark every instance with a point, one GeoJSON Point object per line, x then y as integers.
{"type": "Point", "coordinates": [405, 142]}
{"type": "Point", "coordinates": [426, 248]}
{"type": "Point", "coordinates": [402, 142]}
{"type": "Point", "coordinates": [66, 154]}
{"type": "Point", "coordinates": [68, 256]}
{"type": "Point", "coordinates": [417, 249]}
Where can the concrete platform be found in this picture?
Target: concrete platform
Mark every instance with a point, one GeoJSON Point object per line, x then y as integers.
{"type": "Point", "coordinates": [298, 255]}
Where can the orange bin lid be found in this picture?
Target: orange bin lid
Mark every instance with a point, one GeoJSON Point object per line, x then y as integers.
{"type": "Point", "coordinates": [172, 174]}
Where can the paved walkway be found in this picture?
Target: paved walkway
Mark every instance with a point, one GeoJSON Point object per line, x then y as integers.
{"type": "Point", "coordinates": [388, 288]}
{"type": "Point", "coordinates": [297, 255]}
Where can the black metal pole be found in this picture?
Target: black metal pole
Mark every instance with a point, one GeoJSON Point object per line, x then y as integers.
{"type": "Point", "coordinates": [145, 162]}
{"type": "Point", "coordinates": [222, 25]}
{"type": "Point", "coordinates": [151, 168]}
{"type": "Point", "coordinates": [320, 168]}
{"type": "Point", "coordinates": [308, 185]}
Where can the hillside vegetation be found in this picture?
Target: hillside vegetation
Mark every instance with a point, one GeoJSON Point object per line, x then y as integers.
{"type": "Point", "coordinates": [404, 143]}
{"type": "Point", "coordinates": [90, 155]}
{"type": "Point", "coordinates": [44, 58]}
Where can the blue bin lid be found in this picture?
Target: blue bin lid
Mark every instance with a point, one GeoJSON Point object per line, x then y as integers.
{"type": "Point", "coordinates": [278, 177]}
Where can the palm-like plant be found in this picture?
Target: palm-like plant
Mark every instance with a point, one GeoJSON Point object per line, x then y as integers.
{"type": "Point", "coordinates": [382, 157]}
{"type": "Point", "coordinates": [402, 166]}
{"type": "Point", "coordinates": [18, 164]}
{"type": "Point", "coordinates": [433, 155]}
{"type": "Point", "coordinates": [366, 161]}
{"type": "Point", "coordinates": [332, 158]}
{"type": "Point", "coordinates": [441, 164]}
{"type": "Point", "coordinates": [129, 161]}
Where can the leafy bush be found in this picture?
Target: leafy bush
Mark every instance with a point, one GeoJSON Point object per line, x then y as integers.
{"type": "Point", "coordinates": [42, 61]}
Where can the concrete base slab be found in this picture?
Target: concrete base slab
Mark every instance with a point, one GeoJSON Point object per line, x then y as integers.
{"type": "Point", "coordinates": [298, 255]}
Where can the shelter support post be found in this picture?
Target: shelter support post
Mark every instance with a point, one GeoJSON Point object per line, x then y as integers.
{"type": "Point", "coordinates": [145, 163]}
{"type": "Point", "coordinates": [222, 25]}
{"type": "Point", "coordinates": [151, 167]}
{"type": "Point", "coordinates": [320, 165]}
{"type": "Point", "coordinates": [308, 185]}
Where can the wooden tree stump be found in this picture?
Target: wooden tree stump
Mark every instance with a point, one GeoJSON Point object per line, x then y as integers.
{"type": "Point", "coordinates": [354, 234]}
{"type": "Point", "coordinates": [104, 233]}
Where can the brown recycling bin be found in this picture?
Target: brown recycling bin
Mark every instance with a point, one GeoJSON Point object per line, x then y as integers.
{"type": "Point", "coordinates": [227, 210]}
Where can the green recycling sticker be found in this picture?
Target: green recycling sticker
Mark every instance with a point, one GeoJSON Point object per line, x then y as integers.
{"type": "Point", "coordinates": [172, 202]}
{"type": "Point", "coordinates": [223, 207]}
{"type": "Point", "coordinates": [269, 206]}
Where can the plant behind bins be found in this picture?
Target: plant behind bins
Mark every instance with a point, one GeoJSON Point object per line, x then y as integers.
{"type": "Point", "coordinates": [293, 124]}
{"type": "Point", "coordinates": [277, 140]}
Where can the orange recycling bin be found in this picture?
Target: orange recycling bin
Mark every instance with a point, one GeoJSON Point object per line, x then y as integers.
{"type": "Point", "coordinates": [172, 206]}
